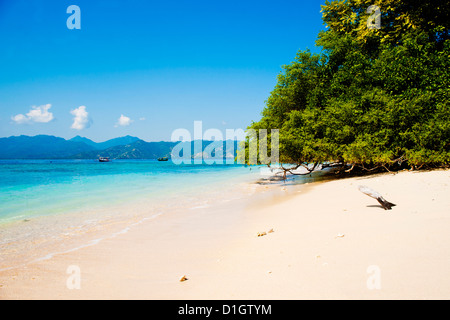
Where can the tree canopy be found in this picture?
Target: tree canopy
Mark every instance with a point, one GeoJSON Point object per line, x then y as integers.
{"type": "Point", "coordinates": [374, 97]}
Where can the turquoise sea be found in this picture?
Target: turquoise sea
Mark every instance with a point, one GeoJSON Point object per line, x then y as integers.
{"type": "Point", "coordinates": [49, 207]}
{"type": "Point", "coordinates": [31, 188]}
{"type": "Point", "coordinates": [46, 205]}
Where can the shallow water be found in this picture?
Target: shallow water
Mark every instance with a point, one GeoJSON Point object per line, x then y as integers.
{"type": "Point", "coordinates": [50, 205]}
{"type": "Point", "coordinates": [34, 188]}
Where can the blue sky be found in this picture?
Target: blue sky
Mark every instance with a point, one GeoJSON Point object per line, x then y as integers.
{"type": "Point", "coordinates": [144, 68]}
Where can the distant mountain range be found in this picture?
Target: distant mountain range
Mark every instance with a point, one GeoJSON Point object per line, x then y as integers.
{"type": "Point", "coordinates": [107, 144]}
{"type": "Point", "coordinates": [128, 147]}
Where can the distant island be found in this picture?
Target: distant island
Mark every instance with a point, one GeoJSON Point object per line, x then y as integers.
{"type": "Point", "coordinates": [51, 147]}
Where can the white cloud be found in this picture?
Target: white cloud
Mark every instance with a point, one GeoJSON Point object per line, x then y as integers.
{"type": "Point", "coordinates": [123, 121]}
{"type": "Point", "coordinates": [142, 119]}
{"type": "Point", "coordinates": [20, 118]}
{"type": "Point", "coordinates": [40, 114]}
{"type": "Point", "coordinates": [36, 114]}
{"type": "Point", "coordinates": [81, 120]}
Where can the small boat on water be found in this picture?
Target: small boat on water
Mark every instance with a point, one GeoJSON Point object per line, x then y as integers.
{"type": "Point", "coordinates": [103, 159]}
{"type": "Point", "coordinates": [163, 159]}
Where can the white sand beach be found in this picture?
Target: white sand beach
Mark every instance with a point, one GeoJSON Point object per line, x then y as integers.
{"type": "Point", "coordinates": [329, 241]}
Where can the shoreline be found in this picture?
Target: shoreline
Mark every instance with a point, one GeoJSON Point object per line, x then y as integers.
{"type": "Point", "coordinates": [34, 238]}
{"type": "Point", "coordinates": [327, 237]}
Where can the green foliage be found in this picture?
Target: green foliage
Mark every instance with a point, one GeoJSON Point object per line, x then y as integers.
{"type": "Point", "coordinates": [372, 98]}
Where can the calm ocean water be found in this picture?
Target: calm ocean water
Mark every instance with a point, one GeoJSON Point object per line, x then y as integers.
{"type": "Point", "coordinates": [31, 188]}
{"type": "Point", "coordinates": [55, 206]}
{"type": "Point", "coordinates": [48, 207]}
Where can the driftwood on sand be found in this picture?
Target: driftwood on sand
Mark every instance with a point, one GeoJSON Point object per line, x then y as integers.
{"type": "Point", "coordinates": [372, 193]}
